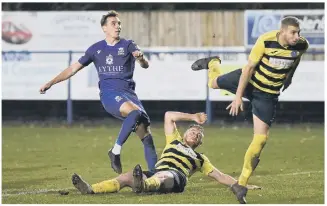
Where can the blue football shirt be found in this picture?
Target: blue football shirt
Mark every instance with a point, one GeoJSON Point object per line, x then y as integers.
{"type": "Point", "coordinates": [114, 64]}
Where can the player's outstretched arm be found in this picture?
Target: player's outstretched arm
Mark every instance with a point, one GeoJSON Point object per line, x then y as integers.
{"type": "Point", "coordinates": [64, 75]}
{"type": "Point", "coordinates": [227, 180]}
{"type": "Point", "coordinates": [172, 117]}
{"type": "Point", "coordinates": [254, 58]}
{"type": "Point", "coordinates": [243, 82]}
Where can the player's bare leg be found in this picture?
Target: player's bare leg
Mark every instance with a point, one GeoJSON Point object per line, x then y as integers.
{"type": "Point", "coordinates": [126, 109]}
{"type": "Point", "coordinates": [251, 158]}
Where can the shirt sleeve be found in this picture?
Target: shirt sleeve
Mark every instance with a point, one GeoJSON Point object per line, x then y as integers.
{"type": "Point", "coordinates": [257, 51]}
{"type": "Point", "coordinates": [174, 136]}
{"type": "Point", "coordinates": [86, 59]}
{"type": "Point", "coordinates": [207, 167]}
{"type": "Point", "coordinates": [132, 47]}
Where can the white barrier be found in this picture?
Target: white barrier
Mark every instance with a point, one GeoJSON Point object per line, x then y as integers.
{"type": "Point", "coordinates": [23, 75]}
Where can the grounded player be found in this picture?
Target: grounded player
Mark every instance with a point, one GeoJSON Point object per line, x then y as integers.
{"type": "Point", "coordinates": [271, 65]}
{"type": "Point", "coordinates": [178, 162]}
{"type": "Point", "coordinates": [114, 59]}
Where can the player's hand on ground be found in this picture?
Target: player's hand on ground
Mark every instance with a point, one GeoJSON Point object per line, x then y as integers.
{"type": "Point", "coordinates": [44, 88]}
{"type": "Point", "coordinates": [253, 187]}
{"type": "Point", "coordinates": [235, 106]}
{"type": "Point", "coordinates": [200, 118]}
{"type": "Point", "coordinates": [138, 55]}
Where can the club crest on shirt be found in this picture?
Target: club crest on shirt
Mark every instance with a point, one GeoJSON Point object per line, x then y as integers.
{"type": "Point", "coordinates": [109, 59]}
{"type": "Point", "coordinates": [121, 51]}
{"type": "Point", "coordinates": [118, 98]}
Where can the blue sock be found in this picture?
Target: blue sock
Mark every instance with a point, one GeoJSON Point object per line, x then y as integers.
{"type": "Point", "coordinates": [150, 152]}
{"type": "Point", "coordinates": [128, 126]}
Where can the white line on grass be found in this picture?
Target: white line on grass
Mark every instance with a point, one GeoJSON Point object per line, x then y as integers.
{"type": "Point", "coordinates": [41, 191]}
{"type": "Point", "coordinates": [291, 174]}
{"type": "Point", "coordinates": [34, 192]}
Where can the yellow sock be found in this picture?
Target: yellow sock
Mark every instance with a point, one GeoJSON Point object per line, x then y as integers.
{"type": "Point", "coordinates": [152, 184]}
{"type": "Point", "coordinates": [107, 186]}
{"type": "Point", "coordinates": [214, 71]}
{"type": "Point", "coordinates": [251, 158]}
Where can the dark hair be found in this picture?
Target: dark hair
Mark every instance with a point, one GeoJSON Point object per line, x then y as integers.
{"type": "Point", "coordinates": [111, 13]}
{"type": "Point", "coordinates": [291, 21]}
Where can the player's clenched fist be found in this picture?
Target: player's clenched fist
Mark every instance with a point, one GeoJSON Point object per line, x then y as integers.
{"type": "Point", "coordinates": [200, 118]}
{"type": "Point", "coordinates": [138, 54]}
{"type": "Point", "coordinates": [44, 88]}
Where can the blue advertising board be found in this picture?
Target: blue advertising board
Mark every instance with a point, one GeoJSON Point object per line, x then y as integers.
{"type": "Point", "coordinates": [312, 24]}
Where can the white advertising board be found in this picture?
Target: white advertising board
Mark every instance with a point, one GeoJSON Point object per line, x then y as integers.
{"type": "Point", "coordinates": [48, 31]}
{"type": "Point", "coordinates": [23, 74]}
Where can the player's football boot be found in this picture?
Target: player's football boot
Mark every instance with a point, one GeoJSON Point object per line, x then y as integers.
{"type": "Point", "coordinates": [115, 162]}
{"type": "Point", "coordinates": [81, 185]}
{"type": "Point", "coordinates": [203, 63]}
{"type": "Point", "coordinates": [138, 185]}
{"type": "Point", "coordinates": [240, 192]}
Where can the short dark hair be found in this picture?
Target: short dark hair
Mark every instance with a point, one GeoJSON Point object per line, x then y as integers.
{"type": "Point", "coordinates": [290, 21]}
{"type": "Point", "coordinates": [111, 13]}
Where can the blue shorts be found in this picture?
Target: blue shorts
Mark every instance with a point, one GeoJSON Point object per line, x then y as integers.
{"type": "Point", "coordinates": [113, 99]}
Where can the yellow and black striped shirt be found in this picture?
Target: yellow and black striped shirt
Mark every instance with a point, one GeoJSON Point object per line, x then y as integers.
{"type": "Point", "coordinates": [182, 158]}
{"type": "Point", "coordinates": [274, 61]}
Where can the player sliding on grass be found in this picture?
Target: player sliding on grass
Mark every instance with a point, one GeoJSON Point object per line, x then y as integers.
{"type": "Point", "coordinates": [114, 59]}
{"type": "Point", "coordinates": [272, 63]}
{"type": "Point", "coordinates": [178, 162]}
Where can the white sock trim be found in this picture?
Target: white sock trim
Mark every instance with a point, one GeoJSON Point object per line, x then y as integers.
{"type": "Point", "coordinates": [116, 150]}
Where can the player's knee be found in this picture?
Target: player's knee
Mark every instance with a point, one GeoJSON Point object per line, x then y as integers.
{"type": "Point", "coordinates": [127, 107]}
{"type": "Point", "coordinates": [260, 127]}
{"type": "Point", "coordinates": [142, 131]}
{"type": "Point", "coordinates": [164, 175]}
{"type": "Point", "coordinates": [143, 127]}
{"type": "Point", "coordinates": [125, 179]}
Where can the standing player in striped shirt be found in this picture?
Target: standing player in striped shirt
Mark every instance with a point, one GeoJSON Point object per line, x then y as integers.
{"type": "Point", "coordinates": [271, 65]}
{"type": "Point", "coordinates": [114, 58]}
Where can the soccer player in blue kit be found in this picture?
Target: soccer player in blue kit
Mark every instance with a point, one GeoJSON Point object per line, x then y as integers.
{"type": "Point", "coordinates": [114, 59]}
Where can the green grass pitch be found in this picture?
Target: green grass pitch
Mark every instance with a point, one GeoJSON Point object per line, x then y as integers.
{"type": "Point", "coordinates": [36, 162]}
